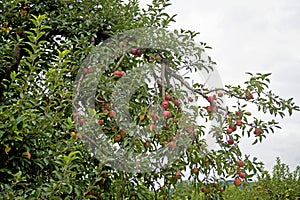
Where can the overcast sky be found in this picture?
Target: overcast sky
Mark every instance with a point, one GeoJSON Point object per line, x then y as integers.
{"type": "Point", "coordinates": [253, 36]}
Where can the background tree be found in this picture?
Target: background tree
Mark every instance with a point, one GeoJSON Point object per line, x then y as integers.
{"type": "Point", "coordinates": [43, 45]}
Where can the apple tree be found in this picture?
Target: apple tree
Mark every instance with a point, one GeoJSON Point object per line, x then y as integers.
{"type": "Point", "coordinates": [57, 70]}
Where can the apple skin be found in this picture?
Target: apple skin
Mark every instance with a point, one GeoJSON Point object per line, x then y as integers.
{"type": "Point", "coordinates": [210, 98]}
{"type": "Point", "coordinates": [239, 122]}
{"type": "Point", "coordinates": [167, 114]}
{"type": "Point", "coordinates": [176, 102]}
{"type": "Point", "coordinates": [112, 113]}
{"type": "Point", "coordinates": [195, 170]}
{"type": "Point", "coordinates": [81, 121]}
{"type": "Point", "coordinates": [220, 94]}
{"type": "Point", "coordinates": [167, 97]}
{"type": "Point", "coordinates": [242, 175]}
{"type": "Point", "coordinates": [154, 117]}
{"type": "Point", "coordinates": [123, 73]}
{"type": "Point", "coordinates": [257, 131]}
{"type": "Point", "coordinates": [237, 182]}
{"type": "Point", "coordinates": [208, 108]}
{"type": "Point", "coordinates": [177, 175]}
{"type": "Point", "coordinates": [241, 163]}
{"type": "Point", "coordinates": [172, 144]}
{"type": "Point", "coordinates": [249, 96]}
{"type": "Point", "coordinates": [229, 131]}
{"type": "Point", "coordinates": [100, 121]}
{"type": "Point", "coordinates": [230, 141]}
{"type": "Point", "coordinates": [117, 73]}
{"type": "Point", "coordinates": [117, 138]}
{"type": "Point", "coordinates": [165, 104]}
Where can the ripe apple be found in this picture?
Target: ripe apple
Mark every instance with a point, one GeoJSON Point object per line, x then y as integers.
{"type": "Point", "coordinates": [172, 144]}
{"type": "Point", "coordinates": [239, 122]}
{"type": "Point", "coordinates": [123, 73]}
{"type": "Point", "coordinates": [73, 134]}
{"type": "Point", "coordinates": [208, 108]}
{"type": "Point", "coordinates": [176, 102]}
{"type": "Point", "coordinates": [100, 121]}
{"type": "Point", "coordinates": [257, 131]}
{"type": "Point", "coordinates": [102, 182]}
{"type": "Point", "coordinates": [26, 154]}
{"type": "Point", "coordinates": [81, 121]}
{"type": "Point", "coordinates": [117, 138]}
{"type": "Point", "coordinates": [147, 144]}
{"type": "Point", "coordinates": [249, 96]}
{"type": "Point", "coordinates": [118, 73]}
{"type": "Point", "coordinates": [177, 175]}
{"type": "Point", "coordinates": [203, 190]}
{"type": "Point", "coordinates": [210, 98]}
{"type": "Point", "coordinates": [138, 52]}
{"type": "Point", "coordinates": [222, 189]}
{"type": "Point", "coordinates": [167, 97]}
{"type": "Point", "coordinates": [214, 184]}
{"type": "Point", "coordinates": [154, 117]}
{"type": "Point", "coordinates": [233, 127]}
{"type": "Point", "coordinates": [242, 175]}
{"type": "Point", "coordinates": [91, 192]}
{"type": "Point", "coordinates": [195, 170]}
{"type": "Point", "coordinates": [237, 182]}
{"type": "Point", "coordinates": [241, 163]}
{"type": "Point", "coordinates": [152, 127]}
{"type": "Point", "coordinates": [229, 131]}
{"type": "Point", "coordinates": [230, 141]}
{"type": "Point", "coordinates": [112, 113]}
{"type": "Point", "coordinates": [87, 70]}
{"type": "Point", "coordinates": [220, 94]}
{"type": "Point", "coordinates": [165, 104]}
{"type": "Point", "coordinates": [164, 143]}
{"type": "Point", "coordinates": [133, 51]}
{"type": "Point", "coordinates": [166, 114]}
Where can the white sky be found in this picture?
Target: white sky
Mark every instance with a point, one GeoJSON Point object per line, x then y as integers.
{"type": "Point", "coordinates": [253, 36]}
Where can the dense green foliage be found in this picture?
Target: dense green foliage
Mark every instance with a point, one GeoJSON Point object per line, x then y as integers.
{"type": "Point", "coordinates": [43, 44]}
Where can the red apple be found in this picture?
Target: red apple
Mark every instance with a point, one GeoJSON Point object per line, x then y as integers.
{"type": "Point", "coordinates": [214, 184]}
{"type": "Point", "coordinates": [81, 121]}
{"type": "Point", "coordinates": [176, 102]}
{"type": "Point", "coordinates": [166, 114]}
{"type": "Point", "coordinates": [123, 73]}
{"type": "Point", "coordinates": [249, 96]}
{"type": "Point", "coordinates": [241, 163]}
{"type": "Point", "coordinates": [112, 113]}
{"type": "Point", "coordinates": [118, 73]}
{"type": "Point", "coordinates": [233, 127]}
{"type": "Point", "coordinates": [210, 98]}
{"type": "Point", "coordinates": [237, 182]}
{"type": "Point", "coordinates": [242, 175]}
{"type": "Point", "coordinates": [177, 175]}
{"type": "Point", "coordinates": [239, 122]}
{"type": "Point", "coordinates": [165, 104]}
{"type": "Point", "coordinates": [257, 131]}
{"type": "Point", "coordinates": [172, 144]}
{"type": "Point", "coordinates": [220, 94]}
{"type": "Point", "coordinates": [100, 121]}
{"type": "Point", "coordinates": [117, 138]}
{"type": "Point", "coordinates": [221, 189]}
{"type": "Point", "coordinates": [230, 141]}
{"type": "Point", "coordinates": [167, 97]}
{"type": "Point", "coordinates": [91, 192]}
{"type": "Point", "coordinates": [208, 108]}
{"type": "Point", "coordinates": [229, 131]}
{"type": "Point", "coordinates": [154, 117]}
{"type": "Point", "coordinates": [195, 170]}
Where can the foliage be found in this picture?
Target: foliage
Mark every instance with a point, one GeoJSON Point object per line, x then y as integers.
{"type": "Point", "coordinates": [43, 45]}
